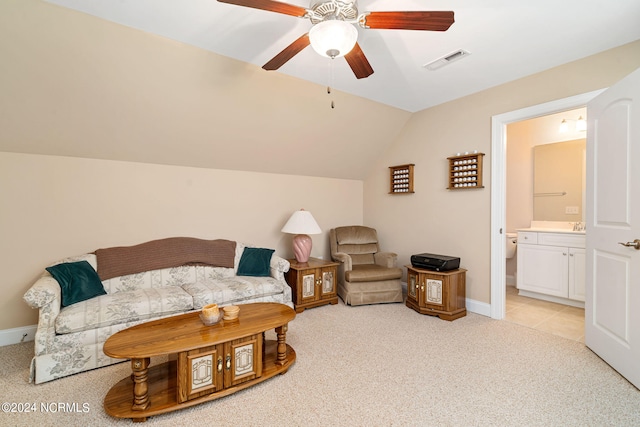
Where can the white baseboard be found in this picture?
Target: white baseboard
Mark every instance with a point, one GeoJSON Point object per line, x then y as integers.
{"type": "Point", "coordinates": [17, 335]}
{"type": "Point", "coordinates": [478, 307]}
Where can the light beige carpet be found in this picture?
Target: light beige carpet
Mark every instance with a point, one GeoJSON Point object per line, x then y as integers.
{"type": "Point", "coordinates": [381, 365]}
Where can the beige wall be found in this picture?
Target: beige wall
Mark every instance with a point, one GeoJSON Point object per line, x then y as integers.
{"type": "Point", "coordinates": [457, 222]}
{"type": "Point", "coordinates": [75, 85]}
{"type": "Point", "coordinates": [115, 93]}
{"type": "Point", "coordinates": [54, 207]}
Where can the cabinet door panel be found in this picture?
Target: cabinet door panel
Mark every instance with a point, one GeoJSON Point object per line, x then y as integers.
{"type": "Point", "coordinates": [543, 269]}
{"type": "Point", "coordinates": [308, 286]}
{"type": "Point", "coordinates": [433, 292]}
{"type": "Point", "coordinates": [328, 282]}
{"type": "Point", "coordinates": [200, 372]}
{"type": "Point", "coordinates": [412, 285]}
{"type": "Point", "coordinates": [577, 270]}
{"type": "Point", "coordinates": [243, 360]}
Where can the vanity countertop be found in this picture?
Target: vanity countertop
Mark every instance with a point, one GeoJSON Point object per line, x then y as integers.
{"type": "Point", "coordinates": [555, 227]}
{"type": "Point", "coordinates": [552, 230]}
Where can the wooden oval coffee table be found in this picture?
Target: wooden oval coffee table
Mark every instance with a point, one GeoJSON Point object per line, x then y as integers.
{"type": "Point", "coordinates": [205, 362]}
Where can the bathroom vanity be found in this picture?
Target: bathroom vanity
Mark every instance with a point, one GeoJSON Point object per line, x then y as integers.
{"type": "Point", "coordinates": [551, 265]}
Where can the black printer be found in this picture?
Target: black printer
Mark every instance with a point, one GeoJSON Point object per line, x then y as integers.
{"type": "Point", "coordinates": [435, 262]}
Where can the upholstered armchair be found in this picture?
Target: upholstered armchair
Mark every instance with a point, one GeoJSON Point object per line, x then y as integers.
{"type": "Point", "coordinates": [365, 274]}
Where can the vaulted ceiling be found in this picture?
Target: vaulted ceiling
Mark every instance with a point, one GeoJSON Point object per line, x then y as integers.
{"type": "Point", "coordinates": [506, 39]}
{"type": "Point", "coordinates": [180, 82]}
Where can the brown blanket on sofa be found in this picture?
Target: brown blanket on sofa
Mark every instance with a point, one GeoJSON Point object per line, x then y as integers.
{"type": "Point", "coordinates": [164, 253]}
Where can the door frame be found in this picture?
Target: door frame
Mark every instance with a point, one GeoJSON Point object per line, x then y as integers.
{"type": "Point", "coordinates": [498, 185]}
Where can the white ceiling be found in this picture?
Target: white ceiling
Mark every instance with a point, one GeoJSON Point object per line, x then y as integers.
{"type": "Point", "coordinates": [507, 39]}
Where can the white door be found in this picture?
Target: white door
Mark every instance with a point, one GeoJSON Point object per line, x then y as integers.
{"type": "Point", "coordinates": [612, 306]}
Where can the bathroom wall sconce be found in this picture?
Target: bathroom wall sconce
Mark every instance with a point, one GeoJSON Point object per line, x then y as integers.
{"type": "Point", "coordinates": [564, 126]}
{"type": "Point", "coordinates": [581, 125]}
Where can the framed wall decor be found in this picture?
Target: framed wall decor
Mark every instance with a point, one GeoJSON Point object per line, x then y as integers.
{"type": "Point", "coordinates": [401, 179]}
{"type": "Point", "coordinates": [465, 171]}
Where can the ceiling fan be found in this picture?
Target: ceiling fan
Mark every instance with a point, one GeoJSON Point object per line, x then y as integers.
{"type": "Point", "coordinates": [333, 34]}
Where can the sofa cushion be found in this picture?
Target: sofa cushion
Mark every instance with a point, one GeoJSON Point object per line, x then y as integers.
{"type": "Point", "coordinates": [232, 290]}
{"type": "Point", "coordinates": [255, 262]}
{"type": "Point", "coordinates": [78, 281]}
{"type": "Point", "coordinates": [370, 273]}
{"type": "Point", "coordinates": [175, 276]}
{"type": "Point", "coordinates": [123, 307]}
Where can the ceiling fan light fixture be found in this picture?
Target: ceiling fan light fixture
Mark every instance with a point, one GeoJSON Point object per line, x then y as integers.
{"type": "Point", "coordinates": [333, 38]}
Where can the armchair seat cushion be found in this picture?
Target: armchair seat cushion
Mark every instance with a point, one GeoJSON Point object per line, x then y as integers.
{"type": "Point", "coordinates": [372, 273]}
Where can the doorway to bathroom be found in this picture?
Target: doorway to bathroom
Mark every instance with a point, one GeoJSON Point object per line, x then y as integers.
{"type": "Point", "coordinates": [499, 187]}
{"type": "Point", "coordinates": [546, 183]}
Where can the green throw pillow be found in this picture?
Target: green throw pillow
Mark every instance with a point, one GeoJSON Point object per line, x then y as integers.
{"type": "Point", "coordinates": [255, 262]}
{"type": "Point", "coordinates": [78, 281]}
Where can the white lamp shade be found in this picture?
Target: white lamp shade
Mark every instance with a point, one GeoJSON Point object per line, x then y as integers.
{"type": "Point", "coordinates": [333, 38]}
{"type": "Point", "coordinates": [301, 222]}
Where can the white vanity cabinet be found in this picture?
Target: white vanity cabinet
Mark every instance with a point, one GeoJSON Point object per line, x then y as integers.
{"type": "Point", "coordinates": [552, 266]}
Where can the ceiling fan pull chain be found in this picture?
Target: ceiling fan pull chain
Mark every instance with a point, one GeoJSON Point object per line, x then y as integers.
{"type": "Point", "coordinates": [330, 81]}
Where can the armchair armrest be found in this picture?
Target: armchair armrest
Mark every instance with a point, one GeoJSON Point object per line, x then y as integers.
{"type": "Point", "coordinates": [278, 266]}
{"type": "Point", "coordinates": [344, 259]}
{"type": "Point", "coordinates": [346, 264]}
{"type": "Point", "coordinates": [386, 259]}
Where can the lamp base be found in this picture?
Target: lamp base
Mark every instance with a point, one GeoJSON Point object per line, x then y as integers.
{"type": "Point", "coordinates": [302, 247]}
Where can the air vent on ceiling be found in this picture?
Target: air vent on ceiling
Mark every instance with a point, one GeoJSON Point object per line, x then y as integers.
{"type": "Point", "coordinates": [447, 59]}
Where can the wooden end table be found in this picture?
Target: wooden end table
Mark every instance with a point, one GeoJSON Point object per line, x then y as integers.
{"type": "Point", "coordinates": [312, 283]}
{"type": "Point", "coordinates": [205, 362]}
{"type": "Point", "coordinates": [437, 293]}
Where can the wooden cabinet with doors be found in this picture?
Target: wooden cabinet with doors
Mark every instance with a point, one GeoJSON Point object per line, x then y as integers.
{"type": "Point", "coordinates": [437, 293]}
{"type": "Point", "coordinates": [312, 283]}
{"type": "Point", "coordinates": [207, 370]}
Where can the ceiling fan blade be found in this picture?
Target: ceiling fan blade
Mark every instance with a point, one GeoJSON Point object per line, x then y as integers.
{"type": "Point", "coordinates": [358, 62]}
{"type": "Point", "coordinates": [289, 52]}
{"type": "Point", "coordinates": [270, 5]}
{"type": "Point", "coordinates": [429, 21]}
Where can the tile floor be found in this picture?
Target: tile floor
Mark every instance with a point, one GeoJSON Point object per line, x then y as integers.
{"type": "Point", "coordinates": [557, 319]}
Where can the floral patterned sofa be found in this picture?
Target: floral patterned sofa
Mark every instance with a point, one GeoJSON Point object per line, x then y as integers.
{"type": "Point", "coordinates": [155, 279]}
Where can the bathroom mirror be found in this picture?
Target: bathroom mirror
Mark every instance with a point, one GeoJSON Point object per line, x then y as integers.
{"type": "Point", "coordinates": [559, 181]}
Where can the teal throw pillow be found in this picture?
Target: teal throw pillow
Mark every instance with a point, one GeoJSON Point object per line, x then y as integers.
{"type": "Point", "coordinates": [78, 281]}
{"type": "Point", "coordinates": [255, 262]}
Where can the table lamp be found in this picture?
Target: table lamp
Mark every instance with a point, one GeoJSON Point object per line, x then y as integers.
{"type": "Point", "coordinates": [302, 224]}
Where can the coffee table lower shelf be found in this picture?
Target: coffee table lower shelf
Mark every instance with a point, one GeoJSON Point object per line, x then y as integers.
{"type": "Point", "coordinates": [163, 389]}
